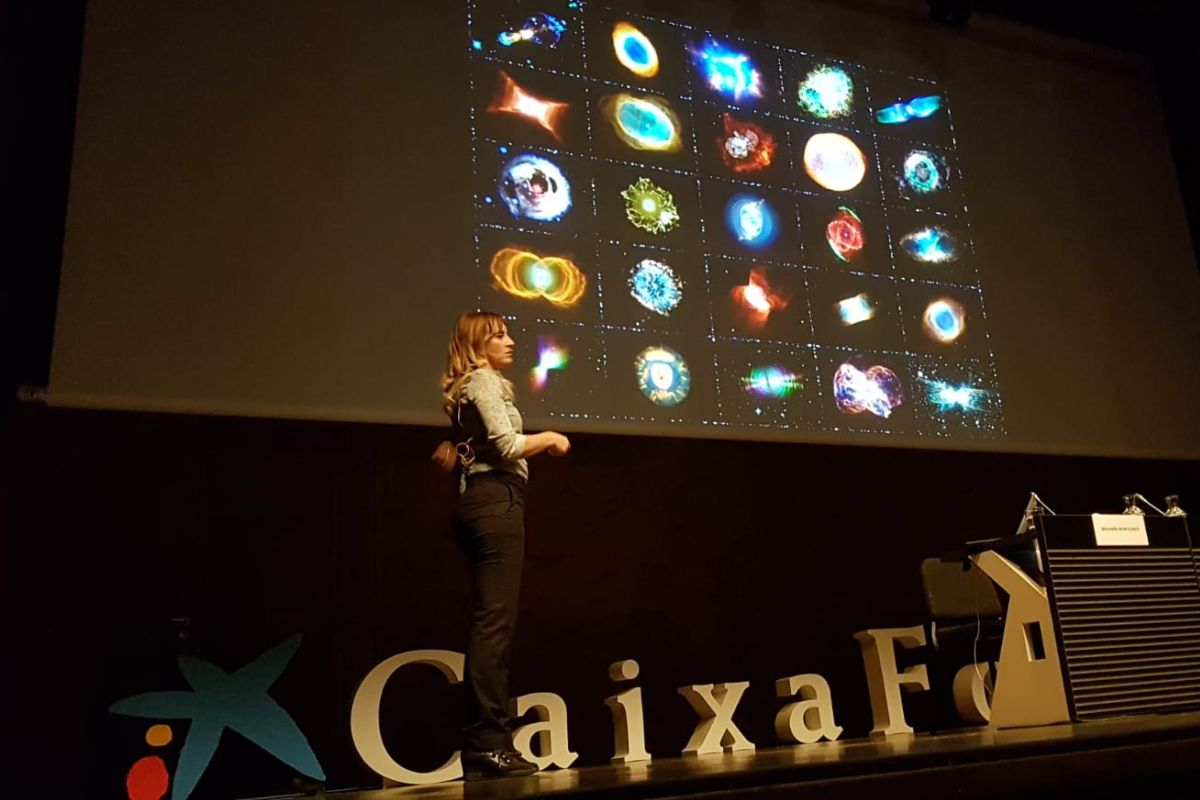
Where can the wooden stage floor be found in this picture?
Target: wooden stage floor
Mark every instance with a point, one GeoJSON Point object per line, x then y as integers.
{"type": "Point", "coordinates": [1143, 756]}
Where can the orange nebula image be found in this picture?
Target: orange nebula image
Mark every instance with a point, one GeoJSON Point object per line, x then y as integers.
{"type": "Point", "coordinates": [757, 298]}
{"type": "Point", "coordinates": [512, 99]}
{"type": "Point", "coordinates": [530, 276]}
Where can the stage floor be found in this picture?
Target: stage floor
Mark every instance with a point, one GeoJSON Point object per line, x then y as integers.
{"type": "Point", "coordinates": [1094, 759]}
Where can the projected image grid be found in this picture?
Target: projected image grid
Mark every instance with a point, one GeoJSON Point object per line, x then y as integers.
{"type": "Point", "coordinates": [693, 228]}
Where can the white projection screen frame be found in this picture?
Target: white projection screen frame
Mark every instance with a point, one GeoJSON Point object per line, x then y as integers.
{"type": "Point", "coordinates": [276, 210]}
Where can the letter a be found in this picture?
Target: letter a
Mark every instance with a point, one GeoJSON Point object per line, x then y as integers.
{"type": "Point", "coordinates": [811, 719]}
{"type": "Point", "coordinates": [550, 730]}
{"type": "Point", "coordinates": [715, 730]}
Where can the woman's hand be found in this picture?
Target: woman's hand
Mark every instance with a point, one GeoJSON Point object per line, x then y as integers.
{"type": "Point", "coordinates": [546, 442]}
{"type": "Point", "coordinates": [559, 444]}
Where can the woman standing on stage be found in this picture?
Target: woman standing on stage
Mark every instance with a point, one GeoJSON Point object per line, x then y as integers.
{"type": "Point", "coordinates": [489, 523]}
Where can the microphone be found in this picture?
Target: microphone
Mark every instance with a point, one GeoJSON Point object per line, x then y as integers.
{"type": "Point", "coordinates": [1032, 507]}
{"type": "Point", "coordinates": [1173, 509]}
{"type": "Point", "coordinates": [1131, 505]}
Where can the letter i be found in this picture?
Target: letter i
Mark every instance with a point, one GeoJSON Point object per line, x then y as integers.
{"type": "Point", "coordinates": [629, 727]}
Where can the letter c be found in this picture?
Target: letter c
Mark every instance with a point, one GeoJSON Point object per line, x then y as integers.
{"type": "Point", "coordinates": [364, 716]}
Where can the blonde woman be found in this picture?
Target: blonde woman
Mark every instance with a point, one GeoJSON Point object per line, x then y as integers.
{"type": "Point", "coordinates": [489, 523]}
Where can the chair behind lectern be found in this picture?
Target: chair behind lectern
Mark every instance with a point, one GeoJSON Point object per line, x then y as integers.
{"type": "Point", "coordinates": [966, 624]}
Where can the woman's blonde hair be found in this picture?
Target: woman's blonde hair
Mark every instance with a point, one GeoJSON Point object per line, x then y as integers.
{"type": "Point", "coordinates": [466, 354]}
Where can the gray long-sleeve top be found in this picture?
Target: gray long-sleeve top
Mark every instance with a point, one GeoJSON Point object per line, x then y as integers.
{"type": "Point", "coordinates": [487, 415]}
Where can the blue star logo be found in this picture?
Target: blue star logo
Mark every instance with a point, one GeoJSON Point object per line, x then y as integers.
{"type": "Point", "coordinates": [235, 700]}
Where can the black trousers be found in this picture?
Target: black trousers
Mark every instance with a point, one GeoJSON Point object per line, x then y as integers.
{"type": "Point", "coordinates": [489, 523]}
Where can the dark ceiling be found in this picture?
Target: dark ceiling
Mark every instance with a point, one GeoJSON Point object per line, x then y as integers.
{"type": "Point", "coordinates": [1144, 26]}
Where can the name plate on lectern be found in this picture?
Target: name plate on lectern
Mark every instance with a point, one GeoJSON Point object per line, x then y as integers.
{"type": "Point", "coordinates": [1117, 530]}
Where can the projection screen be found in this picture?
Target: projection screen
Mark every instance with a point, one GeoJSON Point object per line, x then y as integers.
{"type": "Point", "coordinates": [842, 226]}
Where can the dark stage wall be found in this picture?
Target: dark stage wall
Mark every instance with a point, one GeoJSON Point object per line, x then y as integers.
{"type": "Point", "coordinates": [133, 538]}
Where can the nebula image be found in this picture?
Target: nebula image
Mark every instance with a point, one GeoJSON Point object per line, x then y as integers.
{"type": "Point", "coordinates": [643, 123]}
{"type": "Point", "coordinates": [834, 162]}
{"type": "Point", "coordinates": [541, 29]}
{"type": "Point", "coordinates": [510, 98]}
{"type": "Point", "coordinates": [827, 92]}
{"type": "Point", "coordinates": [662, 375]}
{"type": "Point", "coordinates": [930, 245]}
{"type": "Point", "coordinates": [751, 220]}
{"type": "Point", "coordinates": [856, 309]}
{"type": "Point", "coordinates": [944, 320]}
{"type": "Point", "coordinates": [634, 50]}
{"type": "Point", "coordinates": [650, 207]}
{"type": "Point", "coordinates": [916, 108]}
{"type": "Point", "coordinates": [773, 382]}
{"type": "Point", "coordinates": [844, 233]}
{"type": "Point", "coordinates": [954, 397]}
{"type": "Point", "coordinates": [922, 173]}
{"type": "Point", "coordinates": [727, 71]}
{"type": "Point", "coordinates": [530, 276]}
{"type": "Point", "coordinates": [745, 147]}
{"type": "Point", "coordinates": [655, 286]}
{"type": "Point", "coordinates": [757, 298]}
{"type": "Point", "coordinates": [875, 390]}
{"type": "Point", "coordinates": [551, 356]}
{"type": "Point", "coordinates": [535, 188]}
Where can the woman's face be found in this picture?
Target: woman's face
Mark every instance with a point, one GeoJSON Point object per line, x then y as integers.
{"type": "Point", "coordinates": [498, 347]}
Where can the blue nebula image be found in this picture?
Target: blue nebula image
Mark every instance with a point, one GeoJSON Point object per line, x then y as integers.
{"type": "Point", "coordinates": [856, 309]}
{"type": "Point", "coordinates": [930, 245]}
{"type": "Point", "coordinates": [535, 188]}
{"type": "Point", "coordinates": [647, 123]}
{"type": "Point", "coordinates": [751, 220]}
{"type": "Point", "coordinates": [944, 320]}
{"type": "Point", "coordinates": [949, 396]}
{"type": "Point", "coordinates": [542, 29]}
{"type": "Point", "coordinates": [655, 286]}
{"type": "Point", "coordinates": [636, 51]}
{"type": "Point", "coordinates": [728, 71]}
{"type": "Point", "coordinates": [922, 173]}
{"type": "Point", "coordinates": [917, 108]}
{"type": "Point", "coordinates": [663, 376]}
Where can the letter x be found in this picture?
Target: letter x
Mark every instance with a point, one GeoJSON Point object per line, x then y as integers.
{"type": "Point", "coordinates": [714, 705]}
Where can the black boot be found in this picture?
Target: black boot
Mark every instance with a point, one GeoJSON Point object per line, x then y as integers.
{"type": "Point", "coordinates": [503, 762]}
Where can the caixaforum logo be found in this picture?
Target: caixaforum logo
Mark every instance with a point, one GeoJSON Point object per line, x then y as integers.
{"type": "Point", "coordinates": [238, 701]}
{"type": "Point", "coordinates": [218, 700]}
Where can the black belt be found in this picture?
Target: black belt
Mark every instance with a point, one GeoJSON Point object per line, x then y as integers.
{"type": "Point", "coordinates": [501, 475]}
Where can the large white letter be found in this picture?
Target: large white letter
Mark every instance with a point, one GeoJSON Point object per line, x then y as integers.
{"type": "Point", "coordinates": [364, 716]}
{"type": "Point", "coordinates": [884, 682]}
{"type": "Point", "coordinates": [551, 730]}
{"type": "Point", "coordinates": [629, 726]}
{"type": "Point", "coordinates": [972, 683]}
{"type": "Point", "coordinates": [811, 719]}
{"type": "Point", "coordinates": [715, 731]}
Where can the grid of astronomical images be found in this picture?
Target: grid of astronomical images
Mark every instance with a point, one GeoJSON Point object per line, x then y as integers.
{"type": "Point", "coordinates": [692, 228]}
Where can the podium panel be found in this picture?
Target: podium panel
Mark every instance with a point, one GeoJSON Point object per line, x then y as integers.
{"type": "Point", "coordinates": [1127, 617]}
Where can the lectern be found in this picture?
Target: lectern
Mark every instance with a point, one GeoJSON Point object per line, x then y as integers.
{"type": "Point", "coordinates": [1114, 630]}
